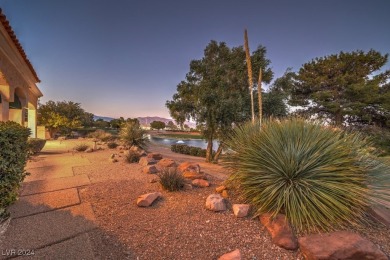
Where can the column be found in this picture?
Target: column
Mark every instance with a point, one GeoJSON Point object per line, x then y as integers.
{"type": "Point", "coordinates": [32, 122]}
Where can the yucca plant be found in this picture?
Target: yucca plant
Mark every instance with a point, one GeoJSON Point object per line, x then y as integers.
{"type": "Point", "coordinates": [320, 177]}
{"type": "Point", "coordinates": [131, 134]}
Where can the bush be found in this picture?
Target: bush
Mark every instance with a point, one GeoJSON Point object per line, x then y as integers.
{"type": "Point", "coordinates": [132, 134]}
{"type": "Point", "coordinates": [132, 157]}
{"type": "Point", "coordinates": [320, 177]}
{"type": "Point", "coordinates": [35, 145]}
{"type": "Point", "coordinates": [13, 157]}
{"type": "Point", "coordinates": [171, 179]}
{"type": "Point", "coordinates": [189, 150]}
{"type": "Point", "coordinates": [81, 147]}
{"type": "Point", "coordinates": [112, 145]}
{"type": "Point", "coordinates": [101, 135]}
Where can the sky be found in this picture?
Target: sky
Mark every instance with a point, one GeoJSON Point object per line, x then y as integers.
{"type": "Point", "coordinates": [126, 57]}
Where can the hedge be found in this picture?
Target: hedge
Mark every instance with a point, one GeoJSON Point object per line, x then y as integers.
{"type": "Point", "coordinates": [35, 145]}
{"type": "Point", "coordinates": [190, 150]}
{"type": "Point", "coordinates": [13, 157]}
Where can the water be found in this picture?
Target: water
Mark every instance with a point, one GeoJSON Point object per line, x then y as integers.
{"type": "Point", "coordinates": [190, 142]}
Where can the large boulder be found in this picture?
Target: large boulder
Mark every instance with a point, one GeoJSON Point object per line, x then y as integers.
{"type": "Point", "coordinates": [280, 230]}
{"type": "Point", "coordinates": [241, 210]}
{"type": "Point", "coordinates": [188, 167]}
{"type": "Point", "coordinates": [147, 199]}
{"type": "Point", "coordinates": [144, 161]}
{"type": "Point", "coordinates": [194, 175]}
{"type": "Point", "coordinates": [339, 245]}
{"type": "Point", "coordinates": [155, 156]}
{"type": "Point", "coordinates": [166, 164]}
{"type": "Point", "coordinates": [234, 255]}
{"type": "Point", "coordinates": [200, 183]}
{"type": "Point", "coordinates": [215, 202]}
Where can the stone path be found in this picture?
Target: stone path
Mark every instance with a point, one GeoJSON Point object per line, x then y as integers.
{"type": "Point", "coordinates": [49, 219]}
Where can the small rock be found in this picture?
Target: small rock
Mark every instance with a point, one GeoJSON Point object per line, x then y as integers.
{"type": "Point", "coordinates": [121, 151]}
{"type": "Point", "coordinates": [200, 183]}
{"type": "Point", "coordinates": [147, 199]}
{"type": "Point", "coordinates": [151, 169]}
{"type": "Point", "coordinates": [89, 150]}
{"type": "Point", "coordinates": [113, 160]}
{"type": "Point", "coordinates": [154, 180]}
{"type": "Point", "coordinates": [215, 202]}
{"type": "Point", "coordinates": [144, 161]}
{"type": "Point", "coordinates": [188, 167]}
{"type": "Point", "coordinates": [339, 245]}
{"type": "Point", "coordinates": [166, 163]}
{"type": "Point", "coordinates": [241, 210]}
{"type": "Point", "coordinates": [234, 255]}
{"type": "Point", "coordinates": [155, 156]}
{"type": "Point", "coordinates": [280, 230]}
{"type": "Point", "coordinates": [221, 188]}
{"type": "Point", "coordinates": [187, 186]}
{"type": "Point", "coordinates": [194, 175]}
{"type": "Point", "coordinates": [112, 156]}
{"type": "Point", "coordinates": [225, 194]}
{"type": "Point", "coordinates": [120, 147]}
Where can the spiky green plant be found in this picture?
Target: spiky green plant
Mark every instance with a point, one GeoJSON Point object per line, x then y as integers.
{"type": "Point", "coordinates": [320, 177]}
{"type": "Point", "coordinates": [171, 179]}
{"type": "Point", "coordinates": [131, 134]}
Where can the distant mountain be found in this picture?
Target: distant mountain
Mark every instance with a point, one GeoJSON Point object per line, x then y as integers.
{"type": "Point", "coordinates": [105, 118]}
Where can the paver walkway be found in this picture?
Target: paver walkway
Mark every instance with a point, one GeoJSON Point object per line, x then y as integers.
{"type": "Point", "coordinates": [49, 221]}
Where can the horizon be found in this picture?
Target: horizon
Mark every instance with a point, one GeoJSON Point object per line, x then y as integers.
{"type": "Point", "coordinates": [126, 59]}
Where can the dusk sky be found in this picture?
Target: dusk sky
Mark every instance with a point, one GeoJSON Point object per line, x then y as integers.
{"type": "Point", "coordinates": [125, 58]}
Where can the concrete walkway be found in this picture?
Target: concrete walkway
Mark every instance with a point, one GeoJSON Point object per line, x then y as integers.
{"type": "Point", "coordinates": [49, 221]}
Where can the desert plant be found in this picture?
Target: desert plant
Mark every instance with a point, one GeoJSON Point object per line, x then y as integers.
{"type": "Point", "coordinates": [81, 147]}
{"type": "Point", "coordinates": [171, 179]}
{"type": "Point", "coordinates": [13, 157]}
{"type": "Point", "coordinates": [101, 135]}
{"type": "Point", "coordinates": [112, 145]}
{"type": "Point", "coordinates": [132, 157]}
{"type": "Point", "coordinates": [320, 177]}
{"type": "Point", "coordinates": [132, 134]}
{"type": "Point", "coordinates": [35, 145]}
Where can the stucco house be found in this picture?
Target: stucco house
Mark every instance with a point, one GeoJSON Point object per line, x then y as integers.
{"type": "Point", "coordinates": [18, 90]}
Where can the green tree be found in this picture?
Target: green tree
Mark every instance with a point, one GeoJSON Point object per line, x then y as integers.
{"type": "Point", "coordinates": [157, 125]}
{"type": "Point", "coordinates": [171, 125]}
{"type": "Point", "coordinates": [345, 87]}
{"type": "Point", "coordinates": [100, 123]}
{"type": "Point", "coordinates": [62, 115]}
{"type": "Point", "coordinates": [117, 123]}
{"type": "Point", "coordinates": [215, 91]}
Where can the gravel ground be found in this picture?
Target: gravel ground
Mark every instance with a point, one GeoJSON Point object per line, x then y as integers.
{"type": "Point", "coordinates": [177, 226]}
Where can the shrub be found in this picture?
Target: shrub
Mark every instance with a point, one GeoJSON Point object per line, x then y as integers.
{"type": "Point", "coordinates": [81, 147]}
{"type": "Point", "coordinates": [190, 150]}
{"type": "Point", "coordinates": [112, 145]}
{"type": "Point", "coordinates": [13, 157]}
{"type": "Point", "coordinates": [132, 157]}
{"type": "Point", "coordinates": [171, 179]}
{"type": "Point", "coordinates": [101, 135]}
{"type": "Point", "coordinates": [35, 145]}
{"type": "Point", "coordinates": [132, 134]}
{"type": "Point", "coordinates": [320, 177]}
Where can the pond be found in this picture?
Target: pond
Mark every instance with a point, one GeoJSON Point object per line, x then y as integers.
{"type": "Point", "coordinates": [190, 142]}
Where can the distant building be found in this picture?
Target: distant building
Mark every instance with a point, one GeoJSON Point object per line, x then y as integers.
{"type": "Point", "coordinates": [18, 90]}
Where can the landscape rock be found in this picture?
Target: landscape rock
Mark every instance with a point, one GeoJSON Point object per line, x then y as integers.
{"type": "Point", "coordinates": [112, 156]}
{"type": "Point", "coordinates": [144, 161]}
{"type": "Point", "coordinates": [339, 245]}
{"type": "Point", "coordinates": [234, 255]}
{"type": "Point", "coordinates": [188, 167]}
{"type": "Point", "coordinates": [194, 175]}
{"type": "Point", "coordinates": [280, 230]}
{"type": "Point", "coordinates": [380, 214]}
{"type": "Point", "coordinates": [138, 150]}
{"type": "Point", "coordinates": [150, 169]}
{"type": "Point", "coordinates": [187, 186]}
{"type": "Point", "coordinates": [155, 156]}
{"type": "Point", "coordinates": [200, 183]}
{"type": "Point", "coordinates": [166, 163]}
{"type": "Point", "coordinates": [113, 160]}
{"type": "Point", "coordinates": [89, 150]}
{"type": "Point", "coordinates": [241, 210]}
{"type": "Point", "coordinates": [120, 147]}
{"type": "Point", "coordinates": [154, 180]}
{"type": "Point", "coordinates": [215, 202]}
{"type": "Point", "coordinates": [147, 199]}
{"type": "Point", "coordinates": [221, 188]}
{"type": "Point", "coordinates": [225, 194]}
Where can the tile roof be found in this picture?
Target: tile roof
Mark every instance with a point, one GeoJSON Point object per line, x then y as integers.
{"type": "Point", "coordinates": [11, 33]}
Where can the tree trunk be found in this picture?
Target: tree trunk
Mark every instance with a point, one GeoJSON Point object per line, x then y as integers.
{"type": "Point", "coordinates": [339, 119]}
{"type": "Point", "coordinates": [218, 153]}
{"type": "Point", "coordinates": [209, 151]}
{"type": "Point", "coordinates": [260, 97]}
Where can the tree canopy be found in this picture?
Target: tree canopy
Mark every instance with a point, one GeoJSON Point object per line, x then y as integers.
{"type": "Point", "coordinates": [215, 92]}
{"type": "Point", "coordinates": [345, 87]}
{"type": "Point", "coordinates": [157, 125]}
{"type": "Point", "coordinates": [63, 115]}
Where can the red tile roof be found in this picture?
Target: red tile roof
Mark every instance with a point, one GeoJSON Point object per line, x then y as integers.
{"type": "Point", "coordinates": [11, 33]}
